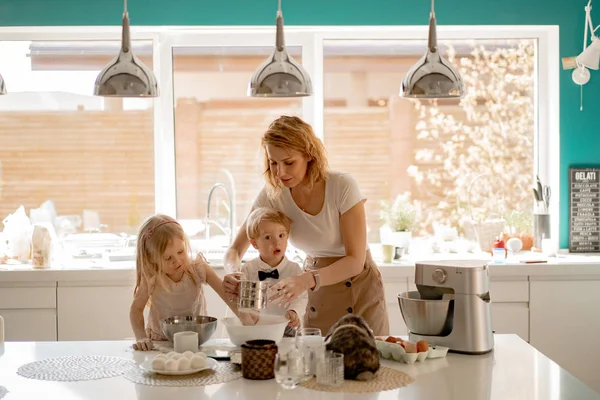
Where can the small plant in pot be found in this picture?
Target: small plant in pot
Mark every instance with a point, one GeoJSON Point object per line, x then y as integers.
{"type": "Point", "coordinates": [518, 225]}
{"type": "Point", "coordinates": [399, 218]}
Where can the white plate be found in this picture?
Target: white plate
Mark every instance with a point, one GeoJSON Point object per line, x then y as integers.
{"type": "Point", "coordinates": [147, 366]}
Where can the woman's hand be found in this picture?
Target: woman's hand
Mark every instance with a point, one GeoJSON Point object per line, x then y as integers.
{"type": "Point", "coordinates": [144, 344]}
{"type": "Point", "coordinates": [231, 283]}
{"type": "Point", "coordinates": [289, 288]}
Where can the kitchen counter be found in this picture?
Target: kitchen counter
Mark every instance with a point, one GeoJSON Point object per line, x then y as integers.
{"type": "Point", "coordinates": [514, 370]}
{"type": "Point", "coordinates": [84, 270]}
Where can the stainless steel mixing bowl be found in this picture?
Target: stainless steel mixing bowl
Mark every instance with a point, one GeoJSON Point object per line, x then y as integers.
{"type": "Point", "coordinates": [204, 325]}
{"type": "Point", "coordinates": [425, 317]}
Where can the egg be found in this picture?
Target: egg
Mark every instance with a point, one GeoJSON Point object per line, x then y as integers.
{"type": "Point", "coordinates": [188, 354]}
{"type": "Point", "coordinates": [158, 364]}
{"type": "Point", "coordinates": [172, 365]}
{"type": "Point", "coordinates": [172, 354]}
{"type": "Point", "coordinates": [201, 354]}
{"type": "Point", "coordinates": [162, 356]}
{"type": "Point", "coordinates": [198, 362]}
{"type": "Point", "coordinates": [184, 364]}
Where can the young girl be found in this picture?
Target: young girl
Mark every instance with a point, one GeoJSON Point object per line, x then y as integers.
{"type": "Point", "coordinates": [168, 279]}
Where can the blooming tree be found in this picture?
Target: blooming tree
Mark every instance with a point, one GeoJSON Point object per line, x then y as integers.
{"type": "Point", "coordinates": [474, 157]}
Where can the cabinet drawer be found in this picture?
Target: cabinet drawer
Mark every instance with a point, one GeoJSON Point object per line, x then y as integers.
{"type": "Point", "coordinates": [29, 325]}
{"type": "Point", "coordinates": [27, 297]}
{"type": "Point", "coordinates": [509, 291]}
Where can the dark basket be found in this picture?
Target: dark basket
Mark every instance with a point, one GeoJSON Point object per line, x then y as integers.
{"type": "Point", "coordinates": [258, 359]}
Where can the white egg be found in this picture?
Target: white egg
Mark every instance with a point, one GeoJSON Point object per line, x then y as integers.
{"type": "Point", "coordinates": [188, 354]}
{"type": "Point", "coordinates": [184, 364]}
{"type": "Point", "coordinates": [172, 365]}
{"type": "Point", "coordinates": [198, 362]}
{"type": "Point", "coordinates": [161, 356]}
{"type": "Point", "coordinates": [172, 354]}
{"type": "Point", "coordinates": [201, 354]}
{"type": "Point", "coordinates": [158, 364]}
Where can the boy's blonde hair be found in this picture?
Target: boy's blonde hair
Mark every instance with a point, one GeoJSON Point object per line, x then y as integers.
{"type": "Point", "coordinates": [153, 238]}
{"type": "Point", "coordinates": [264, 214]}
{"type": "Point", "coordinates": [294, 134]}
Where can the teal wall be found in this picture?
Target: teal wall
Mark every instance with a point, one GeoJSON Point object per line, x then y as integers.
{"type": "Point", "coordinates": [580, 131]}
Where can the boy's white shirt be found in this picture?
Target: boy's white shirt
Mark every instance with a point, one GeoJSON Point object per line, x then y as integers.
{"type": "Point", "coordinates": [286, 269]}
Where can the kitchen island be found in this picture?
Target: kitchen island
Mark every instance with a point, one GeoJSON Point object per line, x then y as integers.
{"type": "Point", "coordinates": [513, 371]}
{"type": "Point", "coordinates": [551, 305]}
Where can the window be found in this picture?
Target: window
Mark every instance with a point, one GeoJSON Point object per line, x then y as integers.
{"type": "Point", "coordinates": [453, 159]}
{"type": "Point", "coordinates": [90, 158]}
{"type": "Point", "coordinates": [217, 136]}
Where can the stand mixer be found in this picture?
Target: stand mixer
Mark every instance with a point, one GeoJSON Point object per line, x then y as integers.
{"type": "Point", "coordinates": [451, 306]}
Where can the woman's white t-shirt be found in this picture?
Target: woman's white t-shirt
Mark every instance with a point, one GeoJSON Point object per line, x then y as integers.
{"type": "Point", "coordinates": [318, 235]}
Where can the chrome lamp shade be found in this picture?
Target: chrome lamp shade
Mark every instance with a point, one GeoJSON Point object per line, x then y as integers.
{"type": "Point", "coordinates": [432, 77]}
{"type": "Point", "coordinates": [2, 86]}
{"type": "Point", "coordinates": [280, 75]}
{"type": "Point", "coordinates": [126, 75]}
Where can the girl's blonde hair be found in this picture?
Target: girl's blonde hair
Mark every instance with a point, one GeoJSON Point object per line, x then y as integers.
{"type": "Point", "coordinates": [153, 238]}
{"type": "Point", "coordinates": [292, 133]}
{"type": "Point", "coordinates": [265, 214]}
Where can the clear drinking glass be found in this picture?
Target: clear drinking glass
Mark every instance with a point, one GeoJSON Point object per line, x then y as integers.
{"type": "Point", "coordinates": [310, 342]}
{"type": "Point", "coordinates": [289, 369]}
{"type": "Point", "coordinates": [330, 369]}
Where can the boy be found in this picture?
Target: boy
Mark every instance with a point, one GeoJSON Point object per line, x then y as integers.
{"type": "Point", "coordinates": [268, 232]}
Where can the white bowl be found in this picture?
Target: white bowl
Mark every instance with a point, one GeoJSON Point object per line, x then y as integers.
{"type": "Point", "coordinates": [269, 327]}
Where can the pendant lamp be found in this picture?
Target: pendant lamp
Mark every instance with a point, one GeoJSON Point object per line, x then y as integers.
{"type": "Point", "coordinates": [432, 77]}
{"type": "Point", "coordinates": [280, 75]}
{"type": "Point", "coordinates": [126, 75]}
{"type": "Point", "coordinates": [2, 86]}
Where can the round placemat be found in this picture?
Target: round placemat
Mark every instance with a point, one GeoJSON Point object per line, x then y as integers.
{"type": "Point", "coordinates": [385, 379]}
{"type": "Point", "coordinates": [76, 368]}
{"type": "Point", "coordinates": [223, 372]}
{"type": "Point", "coordinates": [3, 391]}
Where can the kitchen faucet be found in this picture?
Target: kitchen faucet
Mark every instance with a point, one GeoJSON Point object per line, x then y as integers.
{"type": "Point", "coordinates": [231, 208]}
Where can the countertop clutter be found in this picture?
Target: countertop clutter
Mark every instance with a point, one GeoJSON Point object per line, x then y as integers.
{"type": "Point", "coordinates": [513, 370]}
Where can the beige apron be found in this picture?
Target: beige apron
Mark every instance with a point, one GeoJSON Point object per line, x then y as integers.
{"type": "Point", "coordinates": [362, 295]}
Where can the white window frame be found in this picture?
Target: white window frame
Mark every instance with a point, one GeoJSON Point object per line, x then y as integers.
{"type": "Point", "coordinates": [311, 38]}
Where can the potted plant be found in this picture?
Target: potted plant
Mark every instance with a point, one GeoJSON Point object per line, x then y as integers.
{"type": "Point", "coordinates": [519, 226]}
{"type": "Point", "coordinates": [399, 217]}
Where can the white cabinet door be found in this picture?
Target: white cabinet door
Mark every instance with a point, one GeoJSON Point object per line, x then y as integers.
{"type": "Point", "coordinates": [392, 289]}
{"type": "Point", "coordinates": [511, 318]}
{"type": "Point", "coordinates": [88, 311]}
{"type": "Point", "coordinates": [565, 325]}
{"type": "Point", "coordinates": [29, 325]}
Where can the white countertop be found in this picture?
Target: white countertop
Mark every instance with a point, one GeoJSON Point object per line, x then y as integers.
{"type": "Point", "coordinates": [86, 270]}
{"type": "Point", "coordinates": [513, 371]}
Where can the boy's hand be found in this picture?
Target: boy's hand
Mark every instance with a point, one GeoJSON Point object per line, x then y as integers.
{"type": "Point", "coordinates": [292, 317]}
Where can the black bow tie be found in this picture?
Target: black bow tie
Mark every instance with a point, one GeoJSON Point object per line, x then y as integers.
{"type": "Point", "coordinates": [262, 275]}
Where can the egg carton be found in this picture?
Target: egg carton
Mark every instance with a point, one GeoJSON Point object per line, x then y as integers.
{"type": "Point", "coordinates": [394, 351]}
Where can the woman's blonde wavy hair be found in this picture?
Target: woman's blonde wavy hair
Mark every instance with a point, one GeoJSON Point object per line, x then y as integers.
{"type": "Point", "coordinates": [153, 238]}
{"type": "Point", "coordinates": [292, 133]}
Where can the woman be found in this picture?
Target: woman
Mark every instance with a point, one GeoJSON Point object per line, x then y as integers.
{"type": "Point", "coordinates": [329, 225]}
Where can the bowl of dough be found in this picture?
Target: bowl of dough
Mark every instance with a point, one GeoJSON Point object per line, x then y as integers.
{"type": "Point", "coordinates": [204, 325]}
{"type": "Point", "coordinates": [268, 327]}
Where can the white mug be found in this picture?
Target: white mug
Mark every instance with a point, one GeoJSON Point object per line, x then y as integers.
{"type": "Point", "coordinates": [185, 341]}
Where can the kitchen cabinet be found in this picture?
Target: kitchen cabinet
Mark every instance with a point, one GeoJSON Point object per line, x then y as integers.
{"type": "Point", "coordinates": [29, 311]}
{"type": "Point", "coordinates": [392, 289]}
{"type": "Point", "coordinates": [565, 324]}
{"type": "Point", "coordinates": [94, 310]}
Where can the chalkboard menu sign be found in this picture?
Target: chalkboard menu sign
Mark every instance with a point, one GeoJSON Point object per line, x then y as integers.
{"type": "Point", "coordinates": [584, 210]}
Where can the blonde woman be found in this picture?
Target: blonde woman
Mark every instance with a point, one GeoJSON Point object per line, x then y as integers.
{"type": "Point", "coordinates": [328, 211]}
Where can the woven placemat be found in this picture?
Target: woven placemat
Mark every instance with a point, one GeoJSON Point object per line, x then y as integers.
{"type": "Point", "coordinates": [76, 368]}
{"type": "Point", "coordinates": [3, 391]}
{"type": "Point", "coordinates": [385, 379]}
{"type": "Point", "coordinates": [224, 372]}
